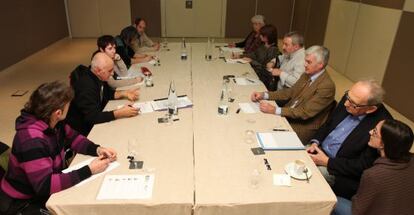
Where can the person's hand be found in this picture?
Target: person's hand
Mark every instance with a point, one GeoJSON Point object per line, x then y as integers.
{"type": "Point", "coordinates": [139, 79]}
{"type": "Point", "coordinates": [276, 72]}
{"type": "Point", "coordinates": [156, 46]}
{"type": "Point", "coordinates": [126, 111]}
{"type": "Point", "coordinates": [99, 164]}
{"type": "Point", "coordinates": [256, 96]}
{"type": "Point", "coordinates": [270, 65]}
{"type": "Point", "coordinates": [148, 58]}
{"type": "Point", "coordinates": [312, 148]}
{"type": "Point", "coordinates": [247, 59]}
{"type": "Point", "coordinates": [266, 107]}
{"type": "Point", "coordinates": [231, 45]}
{"type": "Point", "coordinates": [320, 158]}
{"type": "Point", "coordinates": [107, 153]}
{"type": "Point", "coordinates": [132, 94]}
{"type": "Point", "coordinates": [117, 57]}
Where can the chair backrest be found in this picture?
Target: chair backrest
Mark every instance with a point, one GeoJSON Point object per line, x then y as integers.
{"type": "Point", "coordinates": [77, 73]}
{"type": "Point", "coordinates": [4, 158]}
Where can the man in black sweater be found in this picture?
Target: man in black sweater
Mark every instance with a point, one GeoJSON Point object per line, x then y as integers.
{"type": "Point", "coordinates": [340, 147]}
{"type": "Point", "coordinates": [92, 93]}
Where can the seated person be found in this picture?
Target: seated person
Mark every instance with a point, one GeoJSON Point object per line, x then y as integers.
{"type": "Point", "coordinates": [106, 44]}
{"type": "Point", "coordinates": [264, 54]}
{"type": "Point", "coordinates": [252, 41]}
{"type": "Point", "coordinates": [291, 62]}
{"type": "Point", "coordinates": [387, 187]}
{"type": "Point", "coordinates": [143, 43]}
{"type": "Point", "coordinates": [309, 101]}
{"type": "Point", "coordinates": [342, 153]}
{"type": "Point", "coordinates": [37, 156]}
{"type": "Point", "coordinates": [124, 47]}
{"type": "Point", "coordinates": [92, 93]}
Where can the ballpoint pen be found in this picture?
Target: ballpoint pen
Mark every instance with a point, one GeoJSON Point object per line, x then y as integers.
{"type": "Point", "coordinates": [280, 129]}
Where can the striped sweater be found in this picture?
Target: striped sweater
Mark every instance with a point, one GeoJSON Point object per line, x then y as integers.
{"type": "Point", "coordinates": [37, 159]}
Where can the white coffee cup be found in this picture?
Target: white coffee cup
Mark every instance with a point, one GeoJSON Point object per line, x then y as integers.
{"type": "Point", "coordinates": [298, 167]}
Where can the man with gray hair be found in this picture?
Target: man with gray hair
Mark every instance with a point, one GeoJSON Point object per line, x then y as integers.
{"type": "Point", "coordinates": [309, 100]}
{"type": "Point", "coordinates": [252, 41]}
{"type": "Point", "coordinates": [340, 147]}
{"type": "Point", "coordinates": [291, 62]}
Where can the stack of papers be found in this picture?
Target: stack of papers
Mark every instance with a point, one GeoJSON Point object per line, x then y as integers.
{"type": "Point", "coordinates": [250, 107]}
{"type": "Point", "coordinates": [239, 60]}
{"type": "Point", "coordinates": [247, 81]}
{"type": "Point", "coordinates": [111, 166]}
{"type": "Point", "coordinates": [162, 104]}
{"type": "Point", "coordinates": [126, 187]}
{"type": "Point", "coordinates": [234, 49]}
{"type": "Point", "coordinates": [280, 140]}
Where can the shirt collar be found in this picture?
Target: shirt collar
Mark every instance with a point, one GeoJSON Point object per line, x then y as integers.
{"type": "Point", "coordinates": [315, 76]}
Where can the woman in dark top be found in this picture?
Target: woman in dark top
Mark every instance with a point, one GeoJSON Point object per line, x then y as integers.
{"type": "Point", "coordinates": [124, 47]}
{"type": "Point", "coordinates": [388, 186]}
{"type": "Point", "coordinates": [252, 41]}
{"type": "Point", "coordinates": [264, 54]}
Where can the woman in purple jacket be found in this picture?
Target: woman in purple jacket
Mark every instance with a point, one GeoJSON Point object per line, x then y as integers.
{"type": "Point", "coordinates": [38, 151]}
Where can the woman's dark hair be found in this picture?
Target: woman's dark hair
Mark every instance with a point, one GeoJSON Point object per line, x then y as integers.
{"type": "Point", "coordinates": [128, 34]}
{"type": "Point", "coordinates": [104, 41]}
{"type": "Point", "coordinates": [397, 138]}
{"type": "Point", "coordinates": [48, 98]}
{"type": "Point", "coordinates": [270, 32]}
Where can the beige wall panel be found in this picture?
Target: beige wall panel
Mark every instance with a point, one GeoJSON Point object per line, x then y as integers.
{"type": "Point", "coordinates": [208, 18]}
{"type": "Point", "coordinates": [409, 5]}
{"type": "Point", "coordinates": [339, 32]}
{"type": "Point", "coordinates": [372, 42]}
{"type": "Point", "coordinates": [204, 19]}
{"type": "Point", "coordinates": [84, 18]}
{"type": "Point", "coordinates": [114, 16]}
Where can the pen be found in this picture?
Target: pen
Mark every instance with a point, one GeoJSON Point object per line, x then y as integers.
{"type": "Point", "coordinates": [267, 164]}
{"type": "Point", "coordinates": [280, 129]}
{"type": "Point", "coordinates": [238, 110]}
{"type": "Point", "coordinates": [167, 98]}
{"type": "Point", "coordinates": [251, 81]}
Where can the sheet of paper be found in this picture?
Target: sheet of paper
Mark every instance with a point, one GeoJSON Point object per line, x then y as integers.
{"type": "Point", "coordinates": [182, 102]}
{"type": "Point", "coordinates": [126, 187]}
{"type": "Point", "coordinates": [247, 81]}
{"type": "Point", "coordinates": [77, 166]}
{"type": "Point", "coordinates": [235, 49]}
{"type": "Point", "coordinates": [144, 107]}
{"type": "Point", "coordinates": [250, 107]}
{"type": "Point", "coordinates": [279, 140]}
{"type": "Point", "coordinates": [229, 60]}
{"type": "Point", "coordinates": [281, 180]}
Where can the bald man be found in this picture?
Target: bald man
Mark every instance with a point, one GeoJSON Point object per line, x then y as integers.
{"type": "Point", "coordinates": [340, 147]}
{"type": "Point", "coordinates": [92, 93]}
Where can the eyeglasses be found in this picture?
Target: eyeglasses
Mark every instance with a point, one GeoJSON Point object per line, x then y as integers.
{"type": "Point", "coordinates": [353, 104]}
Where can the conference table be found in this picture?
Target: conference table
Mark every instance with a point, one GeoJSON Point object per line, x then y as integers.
{"type": "Point", "coordinates": [202, 163]}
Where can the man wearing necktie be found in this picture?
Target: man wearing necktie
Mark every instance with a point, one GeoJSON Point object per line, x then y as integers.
{"type": "Point", "coordinates": [309, 100]}
{"type": "Point", "coordinates": [340, 147]}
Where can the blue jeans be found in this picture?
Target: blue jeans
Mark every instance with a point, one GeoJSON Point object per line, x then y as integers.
{"type": "Point", "coordinates": [343, 207]}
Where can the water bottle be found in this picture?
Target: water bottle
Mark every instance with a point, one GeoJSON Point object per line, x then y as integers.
{"type": "Point", "coordinates": [208, 50]}
{"type": "Point", "coordinates": [172, 100]}
{"type": "Point", "coordinates": [223, 107]}
{"type": "Point", "coordinates": [183, 50]}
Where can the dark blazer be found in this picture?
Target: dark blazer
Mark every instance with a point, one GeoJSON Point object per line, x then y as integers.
{"type": "Point", "coordinates": [86, 109]}
{"type": "Point", "coordinates": [313, 105]}
{"type": "Point", "coordinates": [354, 155]}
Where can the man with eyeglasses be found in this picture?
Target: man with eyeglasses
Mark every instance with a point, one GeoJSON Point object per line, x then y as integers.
{"type": "Point", "coordinates": [340, 147]}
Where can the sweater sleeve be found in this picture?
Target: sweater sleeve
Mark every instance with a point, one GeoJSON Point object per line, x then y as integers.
{"type": "Point", "coordinates": [80, 143]}
{"type": "Point", "coordinates": [37, 165]}
{"type": "Point", "coordinates": [363, 200]}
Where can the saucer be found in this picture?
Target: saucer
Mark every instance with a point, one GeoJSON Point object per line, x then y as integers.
{"type": "Point", "coordinates": [291, 173]}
